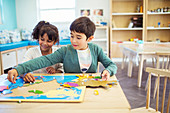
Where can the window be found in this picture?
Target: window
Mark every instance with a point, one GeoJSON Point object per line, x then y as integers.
{"type": "Point", "coordinates": [57, 10]}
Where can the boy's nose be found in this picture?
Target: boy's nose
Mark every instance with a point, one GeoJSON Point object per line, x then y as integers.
{"type": "Point", "coordinates": [74, 40]}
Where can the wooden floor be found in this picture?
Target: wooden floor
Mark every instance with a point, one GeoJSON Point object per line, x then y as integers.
{"type": "Point", "coordinates": [136, 96]}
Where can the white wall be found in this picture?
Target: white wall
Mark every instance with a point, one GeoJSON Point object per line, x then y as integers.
{"type": "Point", "coordinates": [93, 4]}
{"type": "Point", "coordinates": [26, 11]}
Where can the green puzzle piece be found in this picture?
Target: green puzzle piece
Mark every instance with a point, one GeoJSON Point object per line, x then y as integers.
{"type": "Point", "coordinates": [36, 91]}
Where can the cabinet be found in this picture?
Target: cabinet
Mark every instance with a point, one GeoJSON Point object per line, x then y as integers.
{"type": "Point", "coordinates": [20, 55]}
{"type": "Point", "coordinates": [11, 58]}
{"type": "Point", "coordinates": [101, 38]}
{"type": "Point", "coordinates": [160, 15]}
{"type": "Point", "coordinates": [121, 14]}
{"type": "Point", "coordinates": [8, 59]}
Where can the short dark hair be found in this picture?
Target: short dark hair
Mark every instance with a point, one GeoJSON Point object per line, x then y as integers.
{"type": "Point", "coordinates": [83, 25]}
{"type": "Point", "coordinates": [45, 27]}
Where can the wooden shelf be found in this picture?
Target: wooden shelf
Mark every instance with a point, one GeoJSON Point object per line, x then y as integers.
{"type": "Point", "coordinates": [127, 28]}
{"type": "Point", "coordinates": [154, 13]}
{"type": "Point", "coordinates": [122, 11]}
{"type": "Point", "coordinates": [101, 27]}
{"type": "Point", "coordinates": [158, 28]}
{"type": "Point", "coordinates": [101, 38]}
{"type": "Point", "coordinates": [127, 13]}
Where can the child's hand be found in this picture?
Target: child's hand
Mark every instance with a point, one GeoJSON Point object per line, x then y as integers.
{"type": "Point", "coordinates": [50, 70]}
{"type": "Point", "coordinates": [12, 75]}
{"type": "Point", "coordinates": [29, 77]}
{"type": "Point", "coordinates": [105, 75]}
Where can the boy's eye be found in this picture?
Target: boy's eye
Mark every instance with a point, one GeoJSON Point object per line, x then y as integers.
{"type": "Point", "coordinates": [72, 37]}
{"type": "Point", "coordinates": [78, 38]}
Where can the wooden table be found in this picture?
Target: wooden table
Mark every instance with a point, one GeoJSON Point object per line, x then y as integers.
{"type": "Point", "coordinates": [141, 53]}
{"type": "Point", "coordinates": [110, 100]}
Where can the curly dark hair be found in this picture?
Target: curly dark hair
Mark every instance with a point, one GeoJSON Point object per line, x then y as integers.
{"type": "Point", "coordinates": [45, 27]}
{"type": "Point", "coordinates": [83, 25]}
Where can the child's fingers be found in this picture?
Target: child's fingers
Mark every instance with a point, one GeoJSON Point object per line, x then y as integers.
{"type": "Point", "coordinates": [9, 77]}
{"type": "Point", "coordinates": [105, 75]}
{"type": "Point", "coordinates": [48, 69]}
{"type": "Point", "coordinates": [24, 79]}
{"type": "Point", "coordinates": [27, 79]}
{"type": "Point", "coordinates": [14, 79]}
{"type": "Point", "coordinates": [30, 78]}
{"type": "Point", "coordinates": [12, 73]}
{"type": "Point", "coordinates": [33, 78]}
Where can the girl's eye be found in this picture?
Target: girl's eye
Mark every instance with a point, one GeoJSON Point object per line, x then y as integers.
{"type": "Point", "coordinates": [72, 37]}
{"type": "Point", "coordinates": [78, 38]}
{"type": "Point", "coordinates": [49, 40]}
{"type": "Point", "coordinates": [42, 39]}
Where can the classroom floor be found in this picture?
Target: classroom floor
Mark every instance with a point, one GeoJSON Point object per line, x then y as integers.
{"type": "Point", "coordinates": [136, 96]}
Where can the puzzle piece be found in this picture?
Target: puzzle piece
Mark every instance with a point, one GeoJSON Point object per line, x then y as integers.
{"type": "Point", "coordinates": [70, 84]}
{"type": "Point", "coordinates": [3, 87]}
{"type": "Point", "coordinates": [36, 91]}
{"type": "Point", "coordinates": [94, 83]}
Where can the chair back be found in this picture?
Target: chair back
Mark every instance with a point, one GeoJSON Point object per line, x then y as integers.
{"type": "Point", "coordinates": [163, 61]}
{"type": "Point", "coordinates": [157, 73]}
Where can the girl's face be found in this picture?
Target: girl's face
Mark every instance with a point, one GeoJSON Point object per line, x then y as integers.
{"type": "Point", "coordinates": [45, 43]}
{"type": "Point", "coordinates": [79, 40]}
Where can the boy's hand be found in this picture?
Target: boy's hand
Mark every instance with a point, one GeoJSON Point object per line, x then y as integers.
{"type": "Point", "coordinates": [50, 70]}
{"type": "Point", "coordinates": [12, 75]}
{"type": "Point", "coordinates": [105, 75]}
{"type": "Point", "coordinates": [29, 77]}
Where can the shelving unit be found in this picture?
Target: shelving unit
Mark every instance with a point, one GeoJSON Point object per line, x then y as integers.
{"type": "Point", "coordinates": [121, 12]}
{"type": "Point", "coordinates": [101, 38]}
{"type": "Point", "coordinates": [154, 32]}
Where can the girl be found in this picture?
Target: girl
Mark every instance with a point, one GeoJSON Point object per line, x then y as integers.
{"type": "Point", "coordinates": [47, 36]}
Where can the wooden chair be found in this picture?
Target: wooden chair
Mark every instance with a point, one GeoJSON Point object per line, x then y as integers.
{"type": "Point", "coordinates": [147, 109]}
{"type": "Point", "coordinates": [162, 62]}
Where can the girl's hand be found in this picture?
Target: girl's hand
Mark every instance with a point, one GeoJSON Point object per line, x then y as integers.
{"type": "Point", "coordinates": [50, 70]}
{"type": "Point", "coordinates": [12, 75]}
{"type": "Point", "coordinates": [105, 75]}
{"type": "Point", "coordinates": [29, 77]}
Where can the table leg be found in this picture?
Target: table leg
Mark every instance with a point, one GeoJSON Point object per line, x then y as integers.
{"type": "Point", "coordinates": [130, 67]}
{"type": "Point", "coordinates": [123, 61]}
{"type": "Point", "coordinates": [140, 70]}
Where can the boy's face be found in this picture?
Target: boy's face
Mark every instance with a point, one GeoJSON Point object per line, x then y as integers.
{"type": "Point", "coordinates": [79, 40]}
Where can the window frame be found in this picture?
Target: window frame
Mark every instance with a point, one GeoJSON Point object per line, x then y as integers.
{"type": "Point", "coordinates": [39, 12]}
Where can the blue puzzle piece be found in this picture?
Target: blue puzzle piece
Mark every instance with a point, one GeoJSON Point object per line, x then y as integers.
{"type": "Point", "coordinates": [60, 79]}
{"type": "Point", "coordinates": [37, 77]}
{"type": "Point", "coordinates": [48, 78]}
{"type": "Point", "coordinates": [76, 90]}
{"type": "Point", "coordinates": [66, 79]}
{"type": "Point", "coordinates": [15, 97]}
{"type": "Point", "coordinates": [6, 91]}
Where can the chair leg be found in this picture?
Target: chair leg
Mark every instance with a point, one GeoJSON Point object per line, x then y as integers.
{"type": "Point", "coordinates": [157, 97]}
{"type": "Point", "coordinates": [153, 63]}
{"type": "Point", "coordinates": [146, 86]}
{"type": "Point", "coordinates": [148, 92]}
{"type": "Point", "coordinates": [163, 97]}
{"type": "Point", "coordinates": [156, 85]}
{"type": "Point", "coordinates": [168, 105]}
{"type": "Point", "coordinates": [123, 62]}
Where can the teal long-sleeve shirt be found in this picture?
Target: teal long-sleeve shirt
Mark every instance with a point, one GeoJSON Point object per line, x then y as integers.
{"type": "Point", "coordinates": [68, 56]}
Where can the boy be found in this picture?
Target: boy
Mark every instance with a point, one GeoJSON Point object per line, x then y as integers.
{"type": "Point", "coordinates": [78, 57]}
